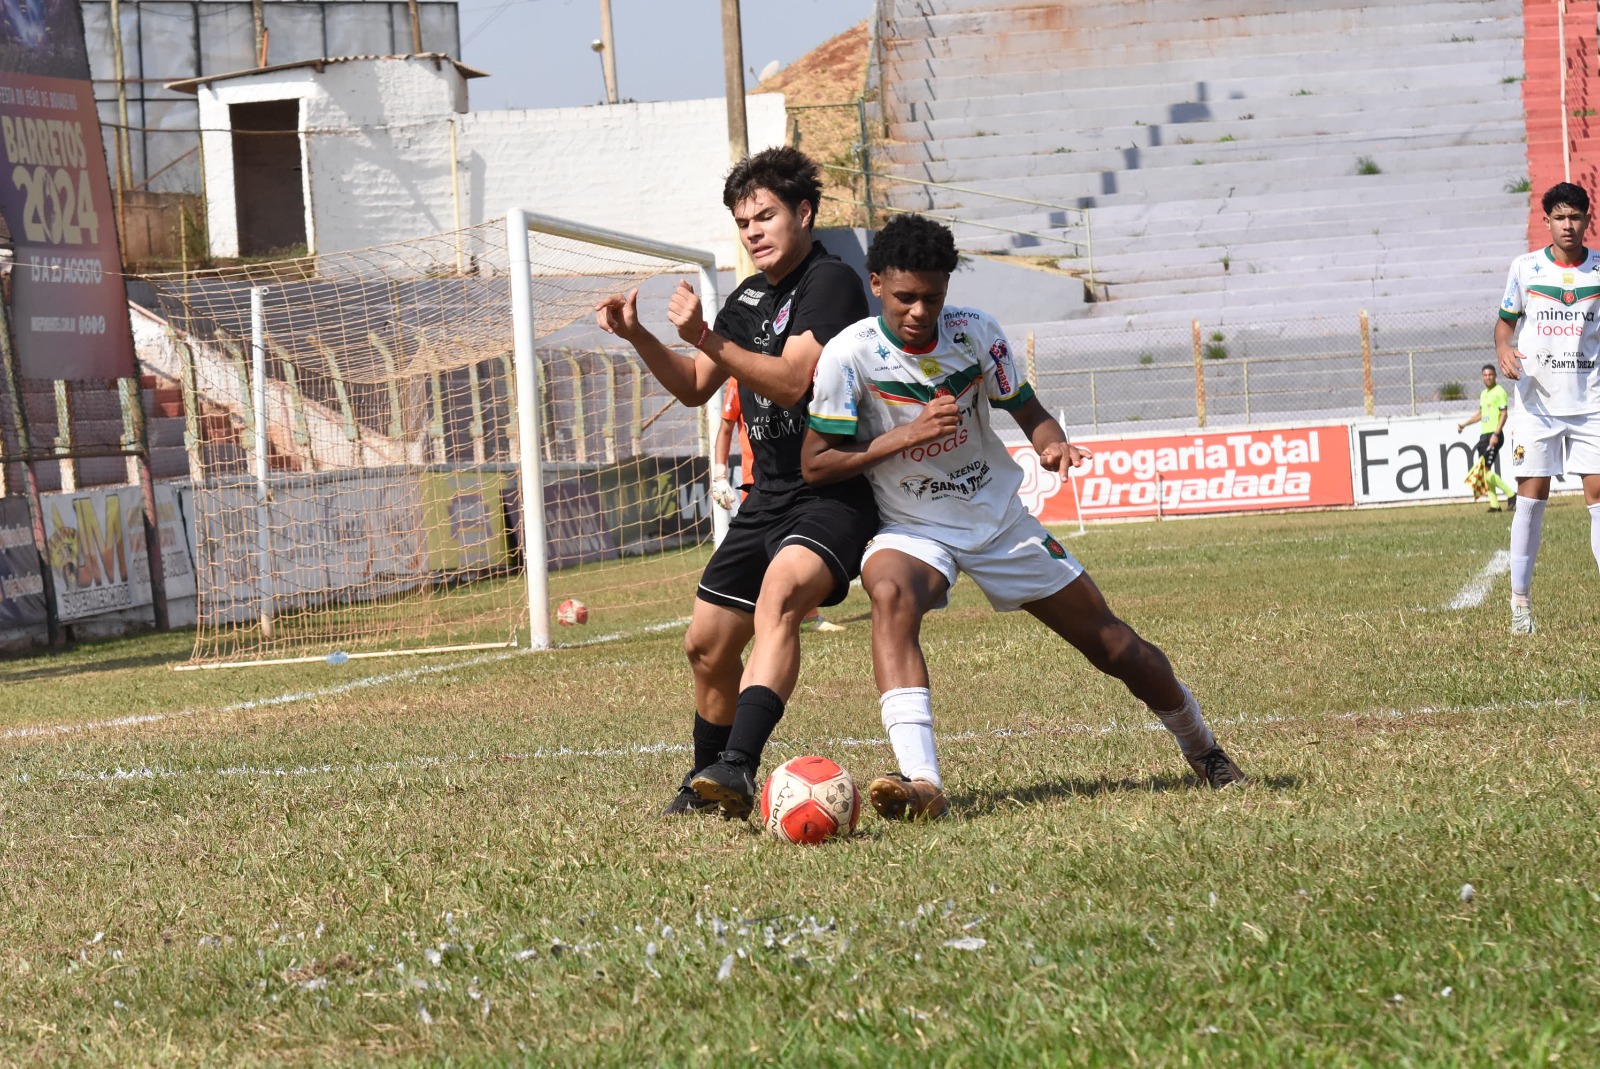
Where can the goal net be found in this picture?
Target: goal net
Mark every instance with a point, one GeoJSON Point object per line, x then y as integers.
{"type": "Point", "coordinates": [358, 460]}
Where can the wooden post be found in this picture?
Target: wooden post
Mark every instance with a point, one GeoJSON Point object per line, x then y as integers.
{"type": "Point", "coordinates": [191, 410]}
{"type": "Point", "coordinates": [436, 424]}
{"type": "Point", "coordinates": [135, 436]}
{"type": "Point", "coordinates": [479, 450]}
{"type": "Point", "coordinates": [63, 442]}
{"type": "Point", "coordinates": [1366, 361]}
{"type": "Point", "coordinates": [1199, 377]}
{"type": "Point", "coordinates": [297, 413]}
{"type": "Point", "coordinates": [19, 419]}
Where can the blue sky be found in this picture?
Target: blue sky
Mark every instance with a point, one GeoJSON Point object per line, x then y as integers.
{"type": "Point", "coordinates": [537, 51]}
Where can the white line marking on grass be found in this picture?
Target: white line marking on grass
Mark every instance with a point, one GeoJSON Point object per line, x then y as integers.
{"type": "Point", "coordinates": [292, 697]}
{"type": "Point", "coordinates": [636, 750]}
{"type": "Point", "coordinates": [1477, 588]}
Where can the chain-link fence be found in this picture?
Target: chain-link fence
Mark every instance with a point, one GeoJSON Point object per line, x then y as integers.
{"type": "Point", "coordinates": [1197, 375]}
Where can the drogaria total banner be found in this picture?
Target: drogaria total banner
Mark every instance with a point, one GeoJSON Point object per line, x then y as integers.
{"type": "Point", "coordinates": [1194, 474]}
{"type": "Point", "coordinates": [69, 306]}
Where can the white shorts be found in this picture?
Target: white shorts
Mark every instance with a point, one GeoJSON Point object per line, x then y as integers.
{"type": "Point", "coordinates": [1553, 445]}
{"type": "Point", "coordinates": [1023, 563]}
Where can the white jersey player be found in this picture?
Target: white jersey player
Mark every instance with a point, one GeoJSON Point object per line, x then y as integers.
{"type": "Point", "coordinates": [1547, 340]}
{"type": "Point", "coordinates": [907, 399]}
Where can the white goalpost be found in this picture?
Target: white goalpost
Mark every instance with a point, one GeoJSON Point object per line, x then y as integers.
{"type": "Point", "coordinates": [424, 446]}
{"type": "Point", "coordinates": [519, 224]}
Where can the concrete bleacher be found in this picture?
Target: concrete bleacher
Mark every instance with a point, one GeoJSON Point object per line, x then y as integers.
{"type": "Point", "coordinates": [1221, 146]}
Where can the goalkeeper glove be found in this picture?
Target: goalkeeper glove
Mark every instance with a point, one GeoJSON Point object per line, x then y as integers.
{"type": "Point", "coordinates": [721, 490]}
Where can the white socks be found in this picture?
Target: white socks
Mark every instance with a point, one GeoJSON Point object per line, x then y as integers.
{"type": "Point", "coordinates": [1187, 726]}
{"type": "Point", "coordinates": [908, 717]}
{"type": "Point", "coordinates": [1527, 528]}
{"type": "Point", "coordinates": [1594, 532]}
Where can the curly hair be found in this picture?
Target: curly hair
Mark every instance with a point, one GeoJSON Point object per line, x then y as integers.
{"type": "Point", "coordinates": [913, 243]}
{"type": "Point", "coordinates": [786, 173]}
{"type": "Point", "coordinates": [1573, 196]}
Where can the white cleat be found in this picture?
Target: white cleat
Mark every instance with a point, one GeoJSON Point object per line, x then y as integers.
{"type": "Point", "coordinates": [1522, 620]}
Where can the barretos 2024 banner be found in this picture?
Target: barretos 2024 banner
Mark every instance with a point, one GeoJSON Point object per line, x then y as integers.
{"type": "Point", "coordinates": [68, 304]}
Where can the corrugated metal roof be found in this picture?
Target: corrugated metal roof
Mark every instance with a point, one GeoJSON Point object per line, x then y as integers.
{"type": "Point", "coordinates": [192, 85]}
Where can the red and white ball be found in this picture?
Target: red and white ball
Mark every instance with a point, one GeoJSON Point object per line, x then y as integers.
{"type": "Point", "coordinates": [572, 612]}
{"type": "Point", "coordinates": [809, 800]}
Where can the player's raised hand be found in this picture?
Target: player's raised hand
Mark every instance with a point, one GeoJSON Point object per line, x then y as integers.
{"type": "Point", "coordinates": [619, 314]}
{"type": "Point", "coordinates": [1058, 456]}
{"type": "Point", "coordinates": [939, 419]}
{"type": "Point", "coordinates": [686, 314]}
{"type": "Point", "coordinates": [1510, 362]}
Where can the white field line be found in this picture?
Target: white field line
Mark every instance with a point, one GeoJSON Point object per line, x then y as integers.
{"type": "Point", "coordinates": [638, 750]}
{"type": "Point", "coordinates": [1477, 588]}
{"type": "Point", "coordinates": [292, 697]}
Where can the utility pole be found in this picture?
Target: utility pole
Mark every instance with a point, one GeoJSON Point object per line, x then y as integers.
{"type": "Point", "coordinates": [738, 129]}
{"type": "Point", "coordinates": [733, 77]}
{"type": "Point", "coordinates": [608, 52]}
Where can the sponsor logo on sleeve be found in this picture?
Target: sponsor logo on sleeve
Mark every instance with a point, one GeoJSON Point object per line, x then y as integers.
{"type": "Point", "coordinates": [1054, 548]}
{"type": "Point", "coordinates": [1002, 381]}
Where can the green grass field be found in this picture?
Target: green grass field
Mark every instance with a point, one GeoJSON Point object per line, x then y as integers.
{"type": "Point", "coordinates": [463, 865]}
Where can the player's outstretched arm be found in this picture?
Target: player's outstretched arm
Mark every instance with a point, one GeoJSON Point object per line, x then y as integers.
{"type": "Point", "coordinates": [1509, 359]}
{"type": "Point", "coordinates": [691, 381]}
{"type": "Point", "coordinates": [1049, 440]}
{"type": "Point", "coordinates": [830, 458]}
{"type": "Point", "coordinates": [783, 381]}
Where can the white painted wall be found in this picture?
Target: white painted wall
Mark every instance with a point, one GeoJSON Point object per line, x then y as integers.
{"type": "Point", "coordinates": [376, 138]}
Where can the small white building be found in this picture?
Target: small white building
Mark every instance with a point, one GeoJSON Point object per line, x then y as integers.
{"type": "Point", "coordinates": [335, 154]}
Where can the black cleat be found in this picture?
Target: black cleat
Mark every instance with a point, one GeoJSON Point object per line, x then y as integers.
{"type": "Point", "coordinates": [686, 802]}
{"type": "Point", "coordinates": [1216, 769]}
{"type": "Point", "coordinates": [729, 784]}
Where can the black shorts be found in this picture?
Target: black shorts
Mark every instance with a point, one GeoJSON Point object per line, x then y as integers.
{"type": "Point", "coordinates": [837, 529]}
{"type": "Point", "coordinates": [1489, 453]}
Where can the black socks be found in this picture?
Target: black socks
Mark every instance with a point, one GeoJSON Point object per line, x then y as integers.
{"type": "Point", "coordinates": [709, 742]}
{"type": "Point", "coordinates": [754, 720]}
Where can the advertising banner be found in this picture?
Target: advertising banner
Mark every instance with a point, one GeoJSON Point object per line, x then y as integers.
{"type": "Point", "coordinates": [1194, 474]}
{"type": "Point", "coordinates": [465, 520]}
{"type": "Point", "coordinates": [69, 306]}
{"type": "Point", "coordinates": [97, 551]}
{"type": "Point", "coordinates": [21, 584]}
{"type": "Point", "coordinates": [1423, 459]}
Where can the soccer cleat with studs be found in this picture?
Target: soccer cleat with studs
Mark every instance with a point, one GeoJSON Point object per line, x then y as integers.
{"type": "Point", "coordinates": [686, 802]}
{"type": "Point", "coordinates": [1522, 620]}
{"type": "Point", "coordinates": [1216, 769]}
{"type": "Point", "coordinates": [730, 784]}
{"type": "Point", "coordinates": [898, 797]}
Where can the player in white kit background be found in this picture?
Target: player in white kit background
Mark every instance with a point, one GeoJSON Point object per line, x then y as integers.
{"type": "Point", "coordinates": [906, 398]}
{"type": "Point", "coordinates": [1546, 341]}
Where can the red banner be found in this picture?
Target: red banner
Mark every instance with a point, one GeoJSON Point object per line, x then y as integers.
{"type": "Point", "coordinates": [1194, 474]}
{"type": "Point", "coordinates": [69, 305]}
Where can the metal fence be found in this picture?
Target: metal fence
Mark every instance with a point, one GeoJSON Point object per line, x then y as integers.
{"type": "Point", "coordinates": [1194, 375]}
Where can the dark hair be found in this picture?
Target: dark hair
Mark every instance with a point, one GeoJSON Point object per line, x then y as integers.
{"type": "Point", "coordinates": [913, 243]}
{"type": "Point", "coordinates": [786, 173]}
{"type": "Point", "coordinates": [1565, 193]}
{"type": "Point", "coordinates": [1490, 367]}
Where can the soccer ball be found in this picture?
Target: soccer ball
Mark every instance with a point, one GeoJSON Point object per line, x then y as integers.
{"type": "Point", "coordinates": [572, 611]}
{"type": "Point", "coordinates": [809, 800]}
